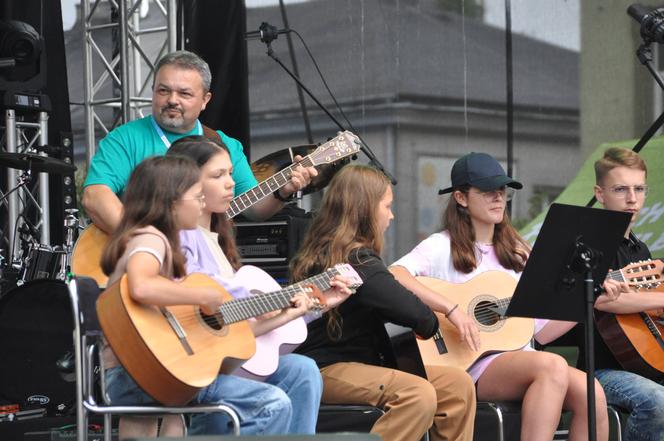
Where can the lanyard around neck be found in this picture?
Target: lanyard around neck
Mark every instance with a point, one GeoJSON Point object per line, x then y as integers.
{"type": "Point", "coordinates": [162, 135]}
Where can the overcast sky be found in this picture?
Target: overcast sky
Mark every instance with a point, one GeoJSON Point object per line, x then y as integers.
{"type": "Point", "coordinates": [554, 21]}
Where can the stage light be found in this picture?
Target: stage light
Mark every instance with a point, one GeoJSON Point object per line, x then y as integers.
{"type": "Point", "coordinates": [20, 50]}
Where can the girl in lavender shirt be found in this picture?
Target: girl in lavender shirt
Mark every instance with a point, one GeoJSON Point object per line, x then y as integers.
{"type": "Point", "coordinates": [210, 249]}
{"type": "Point", "coordinates": [478, 237]}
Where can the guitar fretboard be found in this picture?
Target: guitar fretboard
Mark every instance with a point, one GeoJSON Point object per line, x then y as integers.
{"type": "Point", "coordinates": [253, 306]}
{"type": "Point", "coordinates": [264, 189]}
{"type": "Point", "coordinates": [616, 275]}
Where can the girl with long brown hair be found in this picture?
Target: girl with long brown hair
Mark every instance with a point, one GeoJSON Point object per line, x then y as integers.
{"type": "Point", "coordinates": [478, 237]}
{"type": "Point", "coordinates": [210, 249]}
{"type": "Point", "coordinates": [350, 343]}
{"type": "Point", "coordinates": [164, 195]}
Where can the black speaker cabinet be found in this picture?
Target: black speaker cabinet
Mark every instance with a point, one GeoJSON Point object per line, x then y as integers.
{"type": "Point", "coordinates": [36, 326]}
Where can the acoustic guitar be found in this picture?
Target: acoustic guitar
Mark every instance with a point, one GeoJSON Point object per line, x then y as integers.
{"type": "Point", "coordinates": [484, 298]}
{"type": "Point", "coordinates": [172, 352]}
{"type": "Point", "coordinates": [636, 339]}
{"type": "Point", "coordinates": [86, 256]}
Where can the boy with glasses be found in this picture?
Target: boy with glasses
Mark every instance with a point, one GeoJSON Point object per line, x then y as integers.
{"type": "Point", "coordinates": [620, 185]}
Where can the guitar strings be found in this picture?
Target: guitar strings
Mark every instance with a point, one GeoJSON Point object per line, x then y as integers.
{"type": "Point", "coordinates": [483, 312]}
{"type": "Point", "coordinates": [281, 178]}
{"type": "Point", "coordinates": [236, 310]}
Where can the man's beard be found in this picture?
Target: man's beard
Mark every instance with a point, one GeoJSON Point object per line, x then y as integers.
{"type": "Point", "coordinates": [171, 122]}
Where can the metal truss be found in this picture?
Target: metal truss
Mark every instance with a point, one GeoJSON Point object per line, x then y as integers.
{"type": "Point", "coordinates": [120, 51]}
{"type": "Point", "coordinates": [26, 199]}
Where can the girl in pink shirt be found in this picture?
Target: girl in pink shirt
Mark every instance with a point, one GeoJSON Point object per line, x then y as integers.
{"type": "Point", "coordinates": [479, 237]}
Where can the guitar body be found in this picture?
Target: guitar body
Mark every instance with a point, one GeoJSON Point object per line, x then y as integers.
{"type": "Point", "coordinates": [86, 256]}
{"type": "Point", "coordinates": [633, 343]}
{"type": "Point", "coordinates": [636, 339]}
{"type": "Point", "coordinates": [279, 341]}
{"type": "Point", "coordinates": [149, 348]}
{"type": "Point", "coordinates": [474, 296]}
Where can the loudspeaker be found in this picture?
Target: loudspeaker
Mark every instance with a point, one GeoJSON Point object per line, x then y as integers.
{"type": "Point", "coordinates": [36, 327]}
{"type": "Point", "coordinates": [320, 437]}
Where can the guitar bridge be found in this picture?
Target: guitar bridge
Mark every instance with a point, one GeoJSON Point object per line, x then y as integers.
{"type": "Point", "coordinates": [179, 331]}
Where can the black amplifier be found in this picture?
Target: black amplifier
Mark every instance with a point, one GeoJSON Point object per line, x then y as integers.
{"type": "Point", "coordinates": [271, 244]}
{"type": "Point", "coordinates": [276, 238]}
{"type": "Point", "coordinates": [263, 239]}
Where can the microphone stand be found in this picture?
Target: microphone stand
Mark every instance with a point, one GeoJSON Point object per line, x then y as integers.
{"type": "Point", "coordinates": [363, 146]}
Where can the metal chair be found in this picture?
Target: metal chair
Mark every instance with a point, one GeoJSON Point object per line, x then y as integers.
{"type": "Point", "coordinates": [505, 418]}
{"type": "Point", "coordinates": [497, 421]}
{"type": "Point", "coordinates": [83, 292]}
{"type": "Point", "coordinates": [615, 423]}
{"type": "Point", "coordinates": [349, 418]}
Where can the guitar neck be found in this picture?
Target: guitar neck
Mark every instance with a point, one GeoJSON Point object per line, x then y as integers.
{"type": "Point", "coordinates": [616, 275]}
{"type": "Point", "coordinates": [264, 189]}
{"type": "Point", "coordinates": [253, 306]}
{"type": "Point", "coordinates": [320, 281]}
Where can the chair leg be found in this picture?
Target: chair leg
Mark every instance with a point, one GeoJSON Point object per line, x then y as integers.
{"type": "Point", "coordinates": [108, 426]}
{"type": "Point", "coordinates": [184, 426]}
{"type": "Point", "coordinates": [82, 427]}
{"type": "Point", "coordinates": [615, 416]}
{"type": "Point", "coordinates": [498, 413]}
{"type": "Point", "coordinates": [236, 421]}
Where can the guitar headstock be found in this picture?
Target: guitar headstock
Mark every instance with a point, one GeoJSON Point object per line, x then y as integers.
{"type": "Point", "coordinates": [343, 145]}
{"type": "Point", "coordinates": [643, 275]}
{"type": "Point", "coordinates": [347, 271]}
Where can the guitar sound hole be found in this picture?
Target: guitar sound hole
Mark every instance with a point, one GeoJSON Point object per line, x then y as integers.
{"type": "Point", "coordinates": [484, 315]}
{"type": "Point", "coordinates": [215, 321]}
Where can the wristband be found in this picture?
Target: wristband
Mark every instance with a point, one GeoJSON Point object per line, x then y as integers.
{"type": "Point", "coordinates": [451, 310]}
{"type": "Point", "coordinates": [279, 197]}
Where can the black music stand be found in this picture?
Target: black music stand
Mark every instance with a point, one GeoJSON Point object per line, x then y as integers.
{"type": "Point", "coordinates": [573, 249]}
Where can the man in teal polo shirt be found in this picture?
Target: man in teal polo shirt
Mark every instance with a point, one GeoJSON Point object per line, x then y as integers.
{"type": "Point", "coordinates": [180, 93]}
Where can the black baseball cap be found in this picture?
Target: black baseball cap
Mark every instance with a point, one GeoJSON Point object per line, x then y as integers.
{"type": "Point", "coordinates": [481, 171]}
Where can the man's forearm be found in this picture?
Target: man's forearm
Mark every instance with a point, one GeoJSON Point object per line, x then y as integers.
{"type": "Point", "coordinates": [103, 207]}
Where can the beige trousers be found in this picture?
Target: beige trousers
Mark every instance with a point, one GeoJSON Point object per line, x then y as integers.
{"type": "Point", "coordinates": [445, 404]}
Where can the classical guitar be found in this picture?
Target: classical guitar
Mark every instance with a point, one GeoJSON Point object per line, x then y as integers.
{"type": "Point", "coordinates": [86, 256]}
{"type": "Point", "coordinates": [484, 298]}
{"type": "Point", "coordinates": [636, 339]}
{"type": "Point", "coordinates": [172, 352]}
{"type": "Point", "coordinates": [287, 337]}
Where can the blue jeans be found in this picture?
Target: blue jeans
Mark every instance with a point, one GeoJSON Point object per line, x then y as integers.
{"type": "Point", "coordinates": [262, 408]}
{"type": "Point", "coordinates": [299, 377]}
{"type": "Point", "coordinates": [642, 398]}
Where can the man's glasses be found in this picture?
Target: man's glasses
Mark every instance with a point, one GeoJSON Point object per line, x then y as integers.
{"type": "Point", "coordinates": [507, 193]}
{"type": "Point", "coordinates": [621, 191]}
